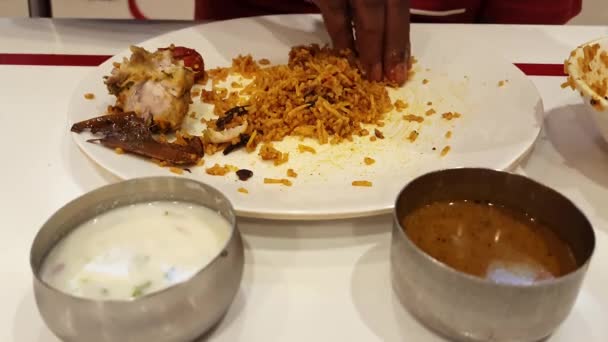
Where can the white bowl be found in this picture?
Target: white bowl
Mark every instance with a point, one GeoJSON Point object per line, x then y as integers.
{"type": "Point", "coordinates": [582, 79]}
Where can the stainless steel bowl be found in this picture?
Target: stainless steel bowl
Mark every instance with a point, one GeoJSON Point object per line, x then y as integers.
{"type": "Point", "coordinates": [467, 308]}
{"type": "Point", "coordinates": [181, 312]}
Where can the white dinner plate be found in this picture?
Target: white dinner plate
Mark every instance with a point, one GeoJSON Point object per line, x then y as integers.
{"type": "Point", "coordinates": [499, 124]}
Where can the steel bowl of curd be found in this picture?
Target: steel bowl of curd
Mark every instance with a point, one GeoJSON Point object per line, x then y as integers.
{"type": "Point", "coordinates": [150, 259]}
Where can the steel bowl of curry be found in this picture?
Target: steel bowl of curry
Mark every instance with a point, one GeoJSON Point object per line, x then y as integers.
{"type": "Point", "coordinates": [484, 255]}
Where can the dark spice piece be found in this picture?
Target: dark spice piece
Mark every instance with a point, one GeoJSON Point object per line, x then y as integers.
{"type": "Point", "coordinates": [229, 115]}
{"type": "Point", "coordinates": [313, 95]}
{"type": "Point", "coordinates": [313, 102]}
{"type": "Point", "coordinates": [309, 94]}
{"type": "Point", "coordinates": [244, 138]}
{"type": "Point", "coordinates": [378, 134]}
{"type": "Point", "coordinates": [244, 174]}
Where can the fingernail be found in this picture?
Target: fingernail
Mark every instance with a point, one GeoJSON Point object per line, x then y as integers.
{"type": "Point", "coordinates": [398, 73]}
{"type": "Point", "coordinates": [376, 72]}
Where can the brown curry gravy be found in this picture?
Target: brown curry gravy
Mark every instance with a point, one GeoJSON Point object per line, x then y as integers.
{"type": "Point", "coordinates": [489, 241]}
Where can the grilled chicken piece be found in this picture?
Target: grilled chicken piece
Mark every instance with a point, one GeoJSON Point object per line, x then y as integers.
{"type": "Point", "coordinates": [156, 86]}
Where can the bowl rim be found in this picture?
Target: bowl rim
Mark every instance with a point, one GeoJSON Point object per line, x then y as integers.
{"type": "Point", "coordinates": [146, 297]}
{"type": "Point", "coordinates": [483, 281]}
{"type": "Point", "coordinates": [580, 84]}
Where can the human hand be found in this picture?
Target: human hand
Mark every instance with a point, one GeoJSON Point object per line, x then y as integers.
{"type": "Point", "coordinates": [381, 34]}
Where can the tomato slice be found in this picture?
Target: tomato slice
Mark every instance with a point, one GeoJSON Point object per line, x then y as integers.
{"type": "Point", "coordinates": [192, 59]}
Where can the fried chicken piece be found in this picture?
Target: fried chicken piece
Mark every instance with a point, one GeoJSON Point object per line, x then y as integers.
{"type": "Point", "coordinates": [156, 86]}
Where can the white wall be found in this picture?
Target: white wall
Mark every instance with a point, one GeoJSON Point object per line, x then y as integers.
{"type": "Point", "coordinates": [595, 12]}
{"type": "Point", "coordinates": [14, 8]}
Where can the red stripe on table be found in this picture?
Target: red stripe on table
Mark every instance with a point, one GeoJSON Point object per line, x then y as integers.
{"type": "Point", "coordinates": [50, 59]}
{"type": "Point", "coordinates": [530, 69]}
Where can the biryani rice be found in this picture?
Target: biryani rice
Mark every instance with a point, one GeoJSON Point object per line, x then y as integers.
{"type": "Point", "coordinates": [319, 94]}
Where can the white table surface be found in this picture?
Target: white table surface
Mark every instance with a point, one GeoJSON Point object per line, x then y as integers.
{"type": "Point", "coordinates": [304, 281]}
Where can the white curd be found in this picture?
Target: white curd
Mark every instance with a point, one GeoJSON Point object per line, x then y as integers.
{"type": "Point", "coordinates": [135, 250]}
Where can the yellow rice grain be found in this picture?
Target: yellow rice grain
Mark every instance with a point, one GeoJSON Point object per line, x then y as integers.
{"type": "Point", "coordinates": [217, 170]}
{"type": "Point", "coordinates": [282, 181]}
{"type": "Point", "coordinates": [413, 136]}
{"type": "Point", "coordinates": [412, 117]}
{"type": "Point", "coordinates": [305, 148]}
{"type": "Point", "coordinates": [363, 183]}
{"type": "Point", "coordinates": [176, 170]}
{"type": "Point", "coordinates": [291, 173]}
